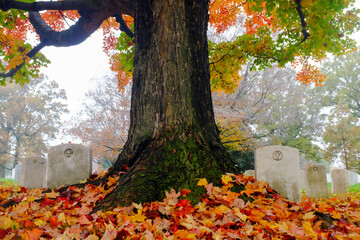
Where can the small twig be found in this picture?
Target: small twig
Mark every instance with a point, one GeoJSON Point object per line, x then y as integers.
{"type": "Point", "coordinates": [63, 16]}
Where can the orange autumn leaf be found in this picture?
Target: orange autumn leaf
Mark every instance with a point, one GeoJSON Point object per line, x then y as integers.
{"type": "Point", "coordinates": [35, 234]}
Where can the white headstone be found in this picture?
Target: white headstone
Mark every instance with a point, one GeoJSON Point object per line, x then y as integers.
{"type": "Point", "coordinates": [280, 167]}
{"type": "Point", "coordinates": [353, 178]}
{"type": "Point", "coordinates": [17, 170]}
{"type": "Point", "coordinates": [2, 171]}
{"type": "Point", "coordinates": [339, 180]}
{"type": "Point", "coordinates": [316, 182]}
{"type": "Point", "coordinates": [33, 172]}
{"type": "Point", "coordinates": [249, 173]}
{"type": "Point", "coordinates": [68, 164]}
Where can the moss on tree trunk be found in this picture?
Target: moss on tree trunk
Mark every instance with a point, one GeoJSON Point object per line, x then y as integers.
{"type": "Point", "coordinates": [173, 139]}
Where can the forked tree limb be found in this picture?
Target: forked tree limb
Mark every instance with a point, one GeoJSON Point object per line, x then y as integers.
{"type": "Point", "coordinates": [116, 7]}
{"type": "Point", "coordinates": [74, 35]}
{"type": "Point", "coordinates": [92, 12]}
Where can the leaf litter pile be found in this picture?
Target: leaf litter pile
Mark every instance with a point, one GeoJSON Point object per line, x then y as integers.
{"type": "Point", "coordinates": [220, 214]}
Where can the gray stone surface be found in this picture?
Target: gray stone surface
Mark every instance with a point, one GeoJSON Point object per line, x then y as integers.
{"type": "Point", "coordinates": [316, 181]}
{"type": "Point", "coordinates": [33, 172]}
{"type": "Point", "coordinates": [17, 171]}
{"type": "Point", "coordinates": [339, 180]}
{"type": "Point", "coordinates": [2, 171]}
{"type": "Point", "coordinates": [279, 166]}
{"type": "Point", "coordinates": [250, 173]}
{"type": "Point", "coordinates": [302, 179]}
{"type": "Point", "coordinates": [353, 178]}
{"type": "Point", "coordinates": [68, 164]}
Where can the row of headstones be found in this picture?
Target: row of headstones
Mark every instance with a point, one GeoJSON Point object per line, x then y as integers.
{"type": "Point", "coordinates": [66, 164]}
{"type": "Point", "coordinates": [280, 167]}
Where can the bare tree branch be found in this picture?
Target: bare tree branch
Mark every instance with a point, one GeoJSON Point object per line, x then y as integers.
{"type": "Point", "coordinates": [123, 27]}
{"type": "Point", "coordinates": [30, 54]}
{"type": "Point", "coordinates": [302, 19]}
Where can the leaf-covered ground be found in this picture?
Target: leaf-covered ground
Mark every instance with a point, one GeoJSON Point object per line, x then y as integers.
{"type": "Point", "coordinates": [220, 214]}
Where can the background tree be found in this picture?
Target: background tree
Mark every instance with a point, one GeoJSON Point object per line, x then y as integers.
{"type": "Point", "coordinates": [342, 137]}
{"type": "Point", "coordinates": [29, 118]}
{"type": "Point", "coordinates": [103, 122]}
{"type": "Point", "coordinates": [173, 139]}
{"type": "Point", "coordinates": [342, 85]}
{"type": "Point", "coordinates": [271, 107]}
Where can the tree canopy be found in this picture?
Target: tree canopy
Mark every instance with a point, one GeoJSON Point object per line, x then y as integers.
{"type": "Point", "coordinates": [271, 32]}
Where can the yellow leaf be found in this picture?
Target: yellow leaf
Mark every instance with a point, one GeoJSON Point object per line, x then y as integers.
{"type": "Point", "coordinates": [308, 215]}
{"type": "Point", "coordinates": [138, 218]}
{"type": "Point", "coordinates": [226, 179]}
{"type": "Point", "coordinates": [92, 237]}
{"type": "Point", "coordinates": [61, 217]}
{"type": "Point", "coordinates": [6, 223]}
{"type": "Point", "coordinates": [242, 216]}
{"type": "Point", "coordinates": [220, 210]}
{"type": "Point", "coordinates": [202, 182]}
{"type": "Point", "coordinates": [30, 199]}
{"type": "Point", "coordinates": [138, 206]}
{"type": "Point", "coordinates": [39, 222]}
{"type": "Point", "coordinates": [336, 215]}
{"type": "Point", "coordinates": [309, 230]}
{"type": "Point", "coordinates": [53, 194]}
{"type": "Point", "coordinates": [183, 234]}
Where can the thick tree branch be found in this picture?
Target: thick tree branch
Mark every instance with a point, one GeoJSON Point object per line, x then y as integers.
{"type": "Point", "coordinates": [30, 54]}
{"type": "Point", "coordinates": [39, 6]}
{"type": "Point", "coordinates": [76, 34]}
{"type": "Point", "coordinates": [302, 19]}
{"type": "Point", "coordinates": [123, 27]}
{"type": "Point", "coordinates": [116, 7]}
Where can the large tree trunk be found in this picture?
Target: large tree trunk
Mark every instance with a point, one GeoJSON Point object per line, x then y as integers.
{"type": "Point", "coordinates": [173, 139]}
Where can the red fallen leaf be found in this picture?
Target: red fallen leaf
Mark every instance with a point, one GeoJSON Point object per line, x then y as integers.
{"type": "Point", "coordinates": [54, 222]}
{"type": "Point", "coordinates": [183, 202]}
{"type": "Point", "coordinates": [185, 192]}
{"type": "Point", "coordinates": [35, 234]}
{"type": "Point", "coordinates": [5, 232]}
{"type": "Point", "coordinates": [28, 224]}
{"type": "Point", "coordinates": [47, 202]}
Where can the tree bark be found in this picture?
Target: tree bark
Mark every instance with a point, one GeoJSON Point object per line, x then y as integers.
{"type": "Point", "coordinates": [173, 139]}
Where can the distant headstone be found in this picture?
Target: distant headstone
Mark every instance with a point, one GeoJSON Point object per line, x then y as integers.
{"type": "Point", "coordinates": [279, 166]}
{"type": "Point", "coordinates": [303, 179]}
{"type": "Point", "coordinates": [250, 173]}
{"type": "Point", "coordinates": [316, 182]}
{"type": "Point", "coordinates": [68, 164]}
{"type": "Point", "coordinates": [353, 178]}
{"type": "Point", "coordinates": [339, 180]}
{"type": "Point", "coordinates": [33, 172]}
{"type": "Point", "coordinates": [17, 170]}
{"type": "Point", "coordinates": [2, 171]}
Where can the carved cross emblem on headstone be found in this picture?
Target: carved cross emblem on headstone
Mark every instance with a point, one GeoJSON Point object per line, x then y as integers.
{"type": "Point", "coordinates": [277, 155]}
{"type": "Point", "coordinates": [68, 152]}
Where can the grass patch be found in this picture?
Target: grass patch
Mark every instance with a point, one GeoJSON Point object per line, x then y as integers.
{"type": "Point", "coordinates": [7, 181]}
{"type": "Point", "coordinates": [355, 188]}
